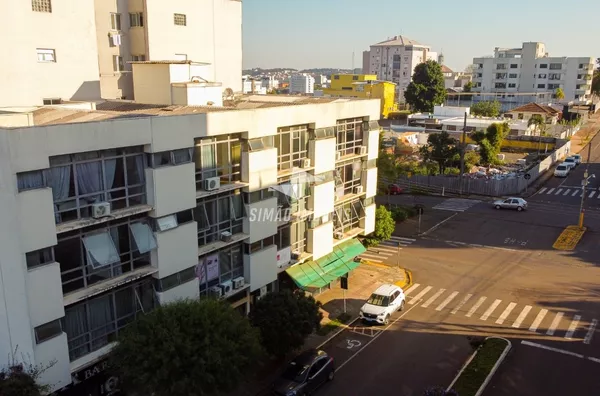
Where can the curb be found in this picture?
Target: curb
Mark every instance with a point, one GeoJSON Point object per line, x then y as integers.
{"type": "Point", "coordinates": [408, 280]}
{"type": "Point", "coordinates": [492, 371]}
{"type": "Point", "coordinates": [435, 227]}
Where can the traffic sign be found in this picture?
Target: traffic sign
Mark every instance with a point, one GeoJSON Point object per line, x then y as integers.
{"type": "Point", "coordinates": [527, 176]}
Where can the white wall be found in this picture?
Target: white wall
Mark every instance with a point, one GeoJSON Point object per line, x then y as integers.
{"type": "Point", "coordinates": [36, 219]}
{"type": "Point", "coordinates": [259, 169]}
{"type": "Point", "coordinates": [261, 219]}
{"type": "Point", "coordinates": [163, 182]}
{"type": "Point", "coordinates": [189, 290]}
{"type": "Point", "coordinates": [320, 155]}
{"type": "Point", "coordinates": [261, 267]}
{"type": "Point", "coordinates": [369, 182]}
{"type": "Point", "coordinates": [320, 240]}
{"type": "Point", "coordinates": [177, 249]}
{"type": "Point", "coordinates": [54, 350]}
{"type": "Point", "coordinates": [368, 222]}
{"type": "Point", "coordinates": [152, 83]}
{"type": "Point", "coordinates": [45, 301]}
{"type": "Point", "coordinates": [321, 199]}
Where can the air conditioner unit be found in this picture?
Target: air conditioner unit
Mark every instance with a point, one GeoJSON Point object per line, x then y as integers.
{"type": "Point", "coordinates": [305, 163]}
{"type": "Point", "coordinates": [100, 209]}
{"type": "Point", "coordinates": [212, 183]}
{"type": "Point", "coordinates": [215, 291]}
{"type": "Point", "coordinates": [226, 236]}
{"type": "Point", "coordinates": [263, 291]}
{"type": "Point", "coordinates": [226, 287]}
{"type": "Point", "coordinates": [295, 255]}
{"type": "Point", "coordinates": [362, 150]}
{"type": "Point", "coordinates": [239, 282]}
{"type": "Point", "coordinates": [338, 235]}
{"type": "Point", "coordinates": [358, 190]}
{"type": "Point", "coordinates": [338, 156]}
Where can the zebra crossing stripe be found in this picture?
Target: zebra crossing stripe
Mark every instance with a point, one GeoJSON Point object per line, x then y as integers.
{"type": "Point", "coordinates": [550, 191]}
{"type": "Point", "coordinates": [554, 323]}
{"type": "Point", "coordinates": [592, 194]}
{"type": "Point", "coordinates": [460, 304]}
{"type": "Point", "coordinates": [558, 191]}
{"type": "Point", "coordinates": [403, 239]}
{"type": "Point", "coordinates": [538, 320]}
{"type": "Point", "coordinates": [374, 259]}
{"type": "Point", "coordinates": [542, 190]}
{"type": "Point", "coordinates": [411, 289]}
{"type": "Point", "coordinates": [490, 310]}
{"type": "Point", "coordinates": [522, 316]}
{"type": "Point", "coordinates": [506, 312]}
{"type": "Point", "coordinates": [590, 333]}
{"type": "Point", "coordinates": [572, 327]}
{"type": "Point", "coordinates": [387, 248]}
{"type": "Point", "coordinates": [575, 193]}
{"type": "Point", "coordinates": [433, 298]}
{"type": "Point", "coordinates": [475, 307]}
{"type": "Point", "coordinates": [567, 192]}
{"type": "Point", "coordinates": [418, 296]}
{"type": "Point", "coordinates": [446, 301]}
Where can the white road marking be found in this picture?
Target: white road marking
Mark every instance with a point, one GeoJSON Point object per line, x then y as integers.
{"type": "Point", "coordinates": [575, 193]}
{"type": "Point", "coordinates": [372, 257]}
{"type": "Point", "coordinates": [572, 327]}
{"type": "Point", "coordinates": [558, 191]}
{"type": "Point", "coordinates": [592, 194]}
{"type": "Point", "coordinates": [590, 333]}
{"type": "Point", "coordinates": [463, 302]}
{"type": "Point", "coordinates": [386, 248]}
{"type": "Point", "coordinates": [433, 298]}
{"type": "Point", "coordinates": [490, 310]}
{"type": "Point", "coordinates": [522, 316]}
{"type": "Point", "coordinates": [550, 191]}
{"type": "Point", "coordinates": [418, 296]}
{"type": "Point", "coordinates": [567, 192]}
{"type": "Point", "coordinates": [554, 323]}
{"type": "Point", "coordinates": [542, 190]}
{"type": "Point", "coordinates": [593, 359]}
{"type": "Point", "coordinates": [412, 289]}
{"type": "Point", "coordinates": [475, 307]}
{"type": "Point", "coordinates": [446, 301]}
{"type": "Point", "coordinates": [403, 239]}
{"type": "Point", "coordinates": [538, 320]}
{"type": "Point", "coordinates": [506, 312]}
{"type": "Point", "coordinates": [533, 344]}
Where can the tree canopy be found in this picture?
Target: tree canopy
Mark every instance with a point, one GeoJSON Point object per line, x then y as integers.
{"type": "Point", "coordinates": [559, 93]}
{"type": "Point", "coordinates": [193, 348]}
{"type": "Point", "coordinates": [486, 108]}
{"type": "Point", "coordinates": [441, 148]}
{"type": "Point", "coordinates": [427, 88]}
{"type": "Point", "coordinates": [284, 320]}
{"type": "Point", "coordinates": [384, 227]}
{"type": "Point", "coordinates": [490, 141]}
{"type": "Point", "coordinates": [540, 124]}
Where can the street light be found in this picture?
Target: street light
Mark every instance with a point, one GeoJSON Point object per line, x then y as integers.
{"type": "Point", "coordinates": [584, 183]}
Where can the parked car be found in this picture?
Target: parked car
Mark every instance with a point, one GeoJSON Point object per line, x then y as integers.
{"type": "Point", "coordinates": [394, 189]}
{"type": "Point", "coordinates": [562, 170]}
{"type": "Point", "coordinates": [570, 161]}
{"type": "Point", "coordinates": [578, 158]}
{"type": "Point", "coordinates": [386, 300]}
{"type": "Point", "coordinates": [305, 374]}
{"type": "Point", "coordinates": [511, 203]}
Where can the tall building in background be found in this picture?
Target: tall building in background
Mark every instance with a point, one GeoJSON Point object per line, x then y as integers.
{"type": "Point", "coordinates": [302, 83]}
{"type": "Point", "coordinates": [73, 52]}
{"type": "Point", "coordinates": [395, 60]}
{"type": "Point", "coordinates": [529, 73]}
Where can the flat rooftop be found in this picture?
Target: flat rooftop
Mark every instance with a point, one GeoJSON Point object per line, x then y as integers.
{"type": "Point", "coordinates": [67, 113]}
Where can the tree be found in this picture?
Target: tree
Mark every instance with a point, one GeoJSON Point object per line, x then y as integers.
{"type": "Point", "coordinates": [427, 88]}
{"type": "Point", "coordinates": [486, 108]}
{"type": "Point", "coordinates": [440, 148]}
{"type": "Point", "coordinates": [538, 122]}
{"type": "Point", "coordinates": [596, 83]}
{"type": "Point", "coordinates": [21, 379]}
{"type": "Point", "coordinates": [559, 94]}
{"type": "Point", "coordinates": [490, 141]}
{"type": "Point", "coordinates": [384, 227]}
{"type": "Point", "coordinates": [189, 347]}
{"type": "Point", "coordinates": [284, 320]}
{"type": "Point", "coordinates": [468, 87]}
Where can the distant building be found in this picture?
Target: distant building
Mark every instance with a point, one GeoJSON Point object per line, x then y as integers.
{"type": "Point", "coordinates": [548, 113]}
{"type": "Point", "coordinates": [270, 83]}
{"type": "Point", "coordinates": [252, 85]}
{"type": "Point", "coordinates": [454, 79]}
{"type": "Point", "coordinates": [395, 60]}
{"type": "Point", "coordinates": [364, 86]}
{"type": "Point", "coordinates": [321, 79]}
{"type": "Point", "coordinates": [529, 71]}
{"type": "Point", "coordinates": [302, 83]}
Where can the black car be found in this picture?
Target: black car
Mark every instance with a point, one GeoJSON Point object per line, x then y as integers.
{"type": "Point", "coordinates": [305, 374]}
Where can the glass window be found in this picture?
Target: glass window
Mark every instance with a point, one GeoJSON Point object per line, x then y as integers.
{"type": "Point", "coordinates": [47, 331]}
{"type": "Point", "coordinates": [101, 250]}
{"type": "Point", "coordinates": [347, 177]}
{"type": "Point", "coordinates": [347, 216]}
{"type": "Point", "coordinates": [292, 146]}
{"type": "Point", "coordinates": [39, 257]}
{"type": "Point", "coordinates": [218, 213]}
{"type": "Point", "coordinates": [218, 157]}
{"type": "Point", "coordinates": [143, 237]}
{"type": "Point", "coordinates": [349, 136]}
{"type": "Point", "coordinates": [231, 266]}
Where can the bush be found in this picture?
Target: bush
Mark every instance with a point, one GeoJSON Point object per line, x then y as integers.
{"type": "Point", "coordinates": [402, 213]}
{"type": "Point", "coordinates": [452, 171]}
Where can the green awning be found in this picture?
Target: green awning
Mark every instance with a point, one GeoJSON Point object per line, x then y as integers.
{"type": "Point", "coordinates": [321, 272]}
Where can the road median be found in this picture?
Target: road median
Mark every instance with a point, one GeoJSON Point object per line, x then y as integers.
{"type": "Point", "coordinates": [569, 238]}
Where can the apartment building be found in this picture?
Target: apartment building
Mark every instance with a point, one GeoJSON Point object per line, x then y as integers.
{"type": "Point", "coordinates": [395, 60]}
{"type": "Point", "coordinates": [109, 212]}
{"type": "Point", "coordinates": [302, 83]}
{"type": "Point", "coordinates": [74, 52]}
{"type": "Point", "coordinates": [530, 74]}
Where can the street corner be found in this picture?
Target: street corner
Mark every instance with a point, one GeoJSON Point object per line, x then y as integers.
{"type": "Point", "coordinates": [569, 238]}
{"type": "Point", "coordinates": [407, 281]}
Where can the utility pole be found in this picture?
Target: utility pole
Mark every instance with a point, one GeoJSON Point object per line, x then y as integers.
{"type": "Point", "coordinates": [585, 182]}
{"type": "Point", "coordinates": [462, 152]}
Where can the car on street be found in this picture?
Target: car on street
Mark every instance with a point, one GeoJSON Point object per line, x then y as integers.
{"type": "Point", "coordinates": [511, 203]}
{"type": "Point", "coordinates": [394, 189]}
{"type": "Point", "coordinates": [384, 301]}
{"type": "Point", "coordinates": [570, 162]}
{"type": "Point", "coordinates": [578, 158]}
{"type": "Point", "coordinates": [305, 373]}
{"type": "Point", "coordinates": [562, 170]}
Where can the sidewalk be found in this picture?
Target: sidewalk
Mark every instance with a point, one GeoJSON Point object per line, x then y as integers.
{"type": "Point", "coordinates": [585, 135]}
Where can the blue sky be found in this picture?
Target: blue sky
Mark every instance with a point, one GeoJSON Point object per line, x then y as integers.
{"type": "Point", "coordinates": [324, 33]}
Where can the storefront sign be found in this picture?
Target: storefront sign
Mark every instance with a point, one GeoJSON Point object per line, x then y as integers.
{"type": "Point", "coordinates": [92, 381]}
{"type": "Point", "coordinates": [284, 256]}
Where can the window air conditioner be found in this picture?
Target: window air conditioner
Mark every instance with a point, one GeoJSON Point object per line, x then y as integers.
{"type": "Point", "coordinates": [226, 287]}
{"type": "Point", "coordinates": [338, 156]}
{"type": "Point", "coordinates": [215, 292]}
{"type": "Point", "coordinates": [295, 255]}
{"type": "Point", "coordinates": [362, 150]}
{"type": "Point", "coordinates": [226, 236]}
{"type": "Point", "coordinates": [100, 209]}
{"type": "Point", "coordinates": [305, 163]}
{"type": "Point", "coordinates": [212, 183]}
{"type": "Point", "coordinates": [358, 190]}
{"type": "Point", "coordinates": [239, 282]}
{"type": "Point", "coordinates": [338, 235]}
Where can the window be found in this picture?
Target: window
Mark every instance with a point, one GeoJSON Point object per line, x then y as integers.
{"type": "Point", "coordinates": [180, 19]}
{"type": "Point", "coordinates": [349, 136]}
{"type": "Point", "coordinates": [118, 65]}
{"type": "Point", "coordinates": [336, 77]}
{"type": "Point", "coordinates": [512, 85]}
{"type": "Point", "coordinates": [136, 19]}
{"type": "Point", "coordinates": [555, 66]}
{"type": "Point", "coordinates": [47, 331]}
{"type": "Point", "coordinates": [298, 234]}
{"type": "Point", "coordinates": [500, 85]}
{"type": "Point", "coordinates": [115, 21]}
{"type": "Point", "coordinates": [283, 237]}
{"type": "Point", "coordinates": [218, 157]}
{"type": "Point", "coordinates": [581, 65]}
{"type": "Point", "coordinates": [101, 252]}
{"type": "Point", "coordinates": [542, 76]}
{"type": "Point", "coordinates": [501, 66]}
{"type": "Point", "coordinates": [292, 146]}
{"type": "Point", "coordinates": [40, 257]}
{"type": "Point", "coordinates": [322, 133]}
{"type": "Point", "coordinates": [512, 75]}
{"type": "Point", "coordinates": [553, 86]}
{"type": "Point", "coordinates": [346, 88]}
{"type": "Point", "coordinates": [218, 213]}
{"type": "Point", "coordinates": [171, 281]}
{"type": "Point", "coordinates": [347, 177]}
{"type": "Point", "coordinates": [45, 55]}
{"type": "Point", "coordinates": [319, 221]}
{"type": "Point", "coordinates": [500, 76]}
{"type": "Point", "coordinates": [166, 223]}
{"type": "Point", "coordinates": [138, 58]}
{"type": "Point", "coordinates": [293, 194]}
{"type": "Point", "coordinates": [250, 248]}
{"type": "Point", "coordinates": [541, 86]}
{"type": "Point", "coordinates": [257, 196]}
{"type": "Point", "coordinates": [347, 216]}
{"type": "Point", "coordinates": [166, 158]}
{"type": "Point", "coordinates": [355, 78]}
{"type": "Point", "coordinates": [544, 66]}
{"type": "Point", "coordinates": [554, 76]}
{"type": "Point", "coordinates": [94, 323]}
{"type": "Point", "coordinates": [41, 5]}
{"type": "Point", "coordinates": [230, 265]}
{"type": "Point", "coordinates": [514, 66]}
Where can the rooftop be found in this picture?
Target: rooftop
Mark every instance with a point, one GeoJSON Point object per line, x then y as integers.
{"type": "Point", "coordinates": [397, 40]}
{"type": "Point", "coordinates": [535, 108]}
{"type": "Point", "coordinates": [446, 69]}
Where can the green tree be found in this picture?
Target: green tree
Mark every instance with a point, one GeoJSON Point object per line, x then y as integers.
{"type": "Point", "coordinates": [21, 379]}
{"type": "Point", "coordinates": [468, 88]}
{"type": "Point", "coordinates": [486, 108]}
{"type": "Point", "coordinates": [559, 94]}
{"type": "Point", "coordinates": [384, 227]}
{"type": "Point", "coordinates": [284, 320]}
{"type": "Point", "coordinates": [596, 83]}
{"type": "Point", "coordinates": [490, 141]}
{"type": "Point", "coordinates": [189, 347]}
{"type": "Point", "coordinates": [427, 88]}
{"type": "Point", "coordinates": [538, 122]}
{"type": "Point", "coordinates": [441, 148]}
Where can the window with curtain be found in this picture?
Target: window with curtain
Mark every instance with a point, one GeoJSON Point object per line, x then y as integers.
{"type": "Point", "coordinates": [94, 323]}
{"type": "Point", "coordinates": [102, 252]}
{"type": "Point", "coordinates": [219, 213]}
{"type": "Point", "coordinates": [218, 157]}
{"type": "Point", "coordinates": [347, 176]}
{"type": "Point", "coordinates": [231, 266]}
{"type": "Point", "coordinates": [292, 146]}
{"type": "Point", "coordinates": [349, 136]}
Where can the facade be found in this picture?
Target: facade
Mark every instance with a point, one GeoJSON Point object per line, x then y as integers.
{"type": "Point", "coordinates": [454, 79]}
{"type": "Point", "coordinates": [530, 74]}
{"type": "Point", "coordinates": [251, 85]}
{"type": "Point", "coordinates": [302, 83]}
{"type": "Point", "coordinates": [108, 213]}
{"type": "Point", "coordinates": [548, 113]}
{"type": "Point", "coordinates": [364, 86]}
{"type": "Point", "coordinates": [47, 66]}
{"type": "Point", "coordinates": [395, 60]}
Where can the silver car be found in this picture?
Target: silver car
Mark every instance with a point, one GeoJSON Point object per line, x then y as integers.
{"type": "Point", "coordinates": [511, 203]}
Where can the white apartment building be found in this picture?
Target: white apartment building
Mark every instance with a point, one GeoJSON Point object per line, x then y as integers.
{"type": "Point", "coordinates": [270, 83]}
{"type": "Point", "coordinates": [395, 60]}
{"type": "Point", "coordinates": [530, 74]}
{"type": "Point", "coordinates": [302, 83]}
{"type": "Point", "coordinates": [109, 212]}
{"type": "Point", "coordinates": [74, 52]}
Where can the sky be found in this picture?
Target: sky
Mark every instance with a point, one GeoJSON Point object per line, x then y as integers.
{"type": "Point", "coordinates": [324, 33]}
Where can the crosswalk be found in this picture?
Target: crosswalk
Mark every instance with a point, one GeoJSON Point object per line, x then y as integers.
{"type": "Point", "coordinates": [508, 314]}
{"type": "Point", "coordinates": [456, 204]}
{"type": "Point", "coordinates": [386, 249]}
{"type": "Point", "coordinates": [568, 191]}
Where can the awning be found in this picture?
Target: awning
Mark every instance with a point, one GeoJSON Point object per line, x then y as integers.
{"type": "Point", "coordinates": [321, 272]}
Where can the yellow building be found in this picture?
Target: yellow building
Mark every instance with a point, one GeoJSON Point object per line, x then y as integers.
{"type": "Point", "coordinates": [364, 86]}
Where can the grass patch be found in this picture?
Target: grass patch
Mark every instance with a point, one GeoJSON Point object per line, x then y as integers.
{"type": "Point", "coordinates": [478, 369]}
{"type": "Point", "coordinates": [333, 324]}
